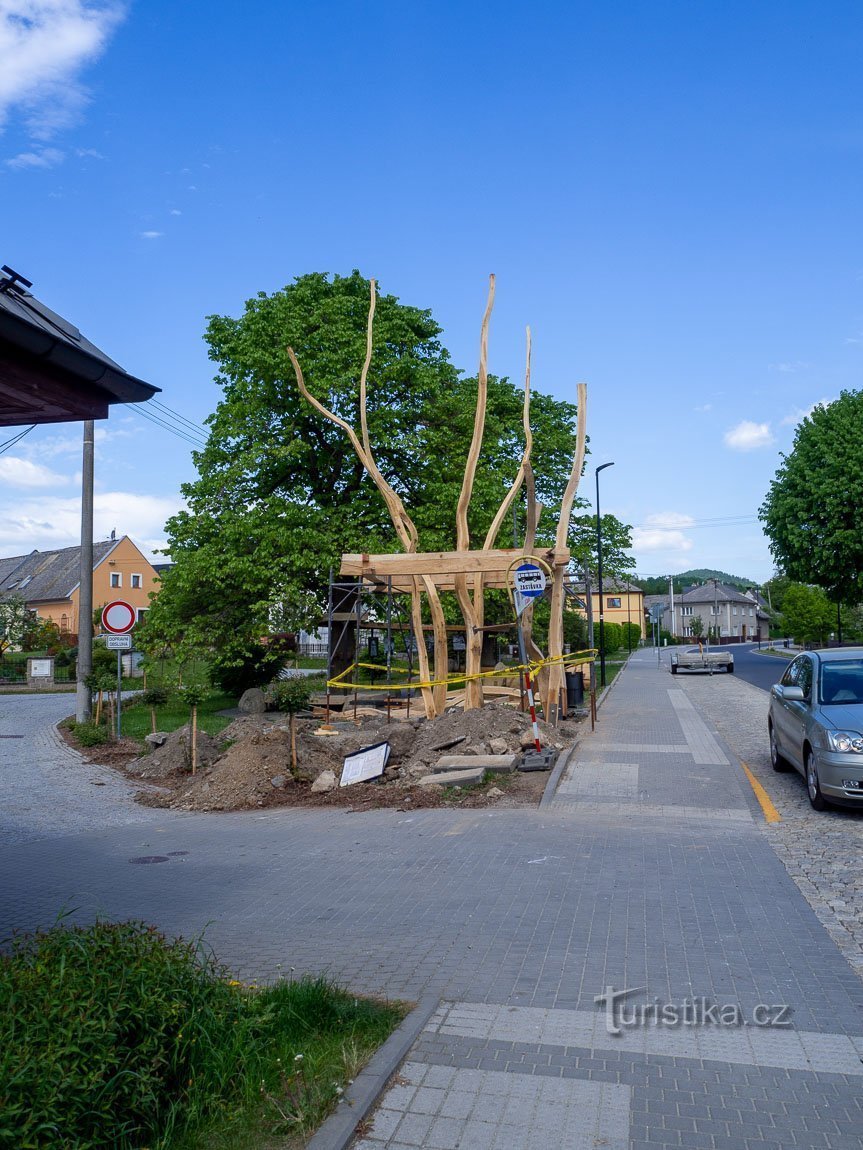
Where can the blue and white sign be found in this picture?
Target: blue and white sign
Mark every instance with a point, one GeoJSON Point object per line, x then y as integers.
{"type": "Point", "coordinates": [529, 580]}
{"type": "Point", "coordinates": [529, 583]}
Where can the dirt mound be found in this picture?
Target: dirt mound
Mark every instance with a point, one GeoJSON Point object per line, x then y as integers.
{"type": "Point", "coordinates": [174, 757]}
{"type": "Point", "coordinates": [255, 770]}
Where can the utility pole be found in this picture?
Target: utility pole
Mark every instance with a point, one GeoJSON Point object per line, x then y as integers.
{"type": "Point", "coordinates": [84, 697]}
{"type": "Point", "coordinates": [671, 592]}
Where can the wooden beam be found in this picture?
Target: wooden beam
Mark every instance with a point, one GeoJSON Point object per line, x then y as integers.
{"type": "Point", "coordinates": [377, 568]}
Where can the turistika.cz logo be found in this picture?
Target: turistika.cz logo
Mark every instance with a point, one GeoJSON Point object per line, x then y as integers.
{"type": "Point", "coordinates": [621, 1015]}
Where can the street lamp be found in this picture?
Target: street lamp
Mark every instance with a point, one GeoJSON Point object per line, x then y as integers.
{"type": "Point", "coordinates": [601, 467]}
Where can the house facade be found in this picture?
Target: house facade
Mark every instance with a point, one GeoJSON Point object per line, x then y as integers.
{"type": "Point", "coordinates": [622, 602]}
{"type": "Point", "coordinates": [719, 611]}
{"type": "Point", "coordinates": [49, 581]}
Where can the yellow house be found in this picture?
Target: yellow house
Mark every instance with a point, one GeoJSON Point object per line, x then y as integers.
{"type": "Point", "coordinates": [623, 602]}
{"type": "Point", "coordinates": [49, 581]}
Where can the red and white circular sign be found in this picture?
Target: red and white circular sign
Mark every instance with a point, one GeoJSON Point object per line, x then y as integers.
{"type": "Point", "coordinates": [118, 617]}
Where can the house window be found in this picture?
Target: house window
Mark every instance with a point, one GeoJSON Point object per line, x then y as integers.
{"type": "Point", "coordinates": [733, 610]}
{"type": "Point", "coordinates": [136, 581]}
{"type": "Point", "coordinates": [613, 601]}
{"type": "Point", "coordinates": [116, 579]}
{"type": "Point", "coordinates": [686, 610]}
{"type": "Point", "coordinates": [142, 611]}
{"type": "Point", "coordinates": [64, 623]}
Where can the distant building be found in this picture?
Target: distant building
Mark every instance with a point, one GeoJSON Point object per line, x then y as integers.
{"type": "Point", "coordinates": [726, 612]}
{"type": "Point", "coordinates": [623, 602]}
{"type": "Point", "coordinates": [49, 581]}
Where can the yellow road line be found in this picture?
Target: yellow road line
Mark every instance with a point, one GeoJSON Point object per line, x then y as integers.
{"type": "Point", "coordinates": [771, 814]}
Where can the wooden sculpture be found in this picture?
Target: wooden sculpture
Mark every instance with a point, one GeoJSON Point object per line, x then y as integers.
{"type": "Point", "coordinates": [466, 572]}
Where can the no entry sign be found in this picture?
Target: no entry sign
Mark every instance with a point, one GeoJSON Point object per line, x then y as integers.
{"type": "Point", "coordinates": [118, 617]}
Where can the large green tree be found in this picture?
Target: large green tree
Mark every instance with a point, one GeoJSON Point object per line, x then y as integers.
{"type": "Point", "coordinates": [807, 613]}
{"type": "Point", "coordinates": [281, 494]}
{"type": "Point", "coordinates": [811, 514]}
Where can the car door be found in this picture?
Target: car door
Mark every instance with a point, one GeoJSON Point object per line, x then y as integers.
{"type": "Point", "coordinates": [790, 715]}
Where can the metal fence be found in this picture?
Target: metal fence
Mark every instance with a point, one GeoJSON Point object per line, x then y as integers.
{"type": "Point", "coordinates": [13, 670]}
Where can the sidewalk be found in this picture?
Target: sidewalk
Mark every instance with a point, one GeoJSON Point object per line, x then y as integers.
{"type": "Point", "coordinates": [684, 904]}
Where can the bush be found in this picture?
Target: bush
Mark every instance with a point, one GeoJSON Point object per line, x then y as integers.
{"type": "Point", "coordinates": [612, 635]}
{"type": "Point", "coordinates": [111, 1035]}
{"type": "Point", "coordinates": [633, 631]}
{"type": "Point", "coordinates": [90, 734]}
{"type": "Point", "coordinates": [255, 669]}
{"type": "Point", "coordinates": [290, 695]}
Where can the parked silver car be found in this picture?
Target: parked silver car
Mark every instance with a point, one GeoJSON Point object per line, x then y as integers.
{"type": "Point", "coordinates": [815, 722]}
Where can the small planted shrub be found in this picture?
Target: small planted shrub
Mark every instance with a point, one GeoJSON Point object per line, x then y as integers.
{"type": "Point", "coordinates": [90, 734]}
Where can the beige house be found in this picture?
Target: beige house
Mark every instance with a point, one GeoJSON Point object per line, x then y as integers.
{"type": "Point", "coordinates": [622, 601]}
{"type": "Point", "coordinates": [49, 581]}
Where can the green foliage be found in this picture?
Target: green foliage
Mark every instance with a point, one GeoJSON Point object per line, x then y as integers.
{"type": "Point", "coordinates": [235, 672]}
{"type": "Point", "coordinates": [290, 695]}
{"type": "Point", "coordinates": [192, 694]}
{"type": "Point", "coordinates": [696, 626]}
{"type": "Point", "coordinates": [617, 562]}
{"type": "Point", "coordinates": [17, 622]}
{"type": "Point", "coordinates": [612, 634]}
{"type": "Point", "coordinates": [111, 1035]}
{"type": "Point", "coordinates": [104, 660]}
{"type": "Point", "coordinates": [90, 734]}
{"type": "Point", "coordinates": [155, 697]}
{"type": "Point", "coordinates": [658, 584]}
{"type": "Point", "coordinates": [281, 494]}
{"type": "Point", "coordinates": [811, 513]}
{"type": "Point", "coordinates": [575, 630]}
{"type": "Point", "coordinates": [631, 635]}
{"type": "Point", "coordinates": [807, 613]}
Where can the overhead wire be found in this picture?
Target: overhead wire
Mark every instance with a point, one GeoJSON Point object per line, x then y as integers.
{"type": "Point", "coordinates": [15, 439]}
{"type": "Point", "coordinates": [177, 430]}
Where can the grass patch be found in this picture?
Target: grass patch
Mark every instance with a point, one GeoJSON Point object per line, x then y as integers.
{"type": "Point", "coordinates": [136, 721]}
{"type": "Point", "coordinates": [112, 1035]}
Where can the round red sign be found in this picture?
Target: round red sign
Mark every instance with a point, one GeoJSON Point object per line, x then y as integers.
{"type": "Point", "coordinates": [118, 617]}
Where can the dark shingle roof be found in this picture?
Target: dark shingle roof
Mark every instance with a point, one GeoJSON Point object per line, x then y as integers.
{"type": "Point", "coordinates": [722, 593]}
{"type": "Point", "coordinates": [43, 576]}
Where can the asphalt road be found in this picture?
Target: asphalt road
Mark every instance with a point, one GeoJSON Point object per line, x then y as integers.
{"type": "Point", "coordinates": [759, 670]}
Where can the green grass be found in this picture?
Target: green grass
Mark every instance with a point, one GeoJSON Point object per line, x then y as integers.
{"type": "Point", "coordinates": [136, 722]}
{"type": "Point", "coordinates": [112, 1035]}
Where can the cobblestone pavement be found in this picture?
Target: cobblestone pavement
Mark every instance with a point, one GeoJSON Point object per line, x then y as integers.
{"type": "Point", "coordinates": [663, 883]}
{"type": "Point", "coordinates": [822, 851]}
{"type": "Point", "coordinates": [46, 788]}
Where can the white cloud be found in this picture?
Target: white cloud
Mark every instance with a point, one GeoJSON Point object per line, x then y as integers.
{"type": "Point", "coordinates": [151, 235]}
{"type": "Point", "coordinates": [659, 539]}
{"type": "Point", "coordinates": [44, 45]}
{"type": "Point", "coordinates": [799, 413]}
{"type": "Point", "coordinates": [786, 368]}
{"type": "Point", "coordinates": [175, 212]}
{"type": "Point", "coordinates": [748, 436]}
{"type": "Point", "coordinates": [22, 473]}
{"type": "Point", "coordinates": [49, 522]}
{"type": "Point", "coordinates": [43, 158]}
{"type": "Point", "coordinates": [669, 520]}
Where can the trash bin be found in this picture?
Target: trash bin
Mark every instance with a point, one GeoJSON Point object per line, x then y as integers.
{"type": "Point", "coordinates": [574, 689]}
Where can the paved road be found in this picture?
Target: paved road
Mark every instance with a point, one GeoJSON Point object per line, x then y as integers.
{"type": "Point", "coordinates": [651, 871]}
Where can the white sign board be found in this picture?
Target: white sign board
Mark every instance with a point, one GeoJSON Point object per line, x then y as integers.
{"type": "Point", "coordinates": [365, 764]}
{"type": "Point", "coordinates": [40, 668]}
{"type": "Point", "coordinates": [118, 642]}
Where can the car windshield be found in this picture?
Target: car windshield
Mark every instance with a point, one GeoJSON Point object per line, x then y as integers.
{"type": "Point", "coordinates": [842, 682]}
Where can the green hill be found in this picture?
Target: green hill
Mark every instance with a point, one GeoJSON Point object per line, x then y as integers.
{"type": "Point", "coordinates": [658, 585]}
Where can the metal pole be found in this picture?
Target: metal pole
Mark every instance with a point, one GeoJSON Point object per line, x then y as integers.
{"type": "Point", "coordinates": [601, 467]}
{"type": "Point", "coordinates": [523, 656]}
{"type": "Point", "coordinates": [119, 687]}
{"type": "Point", "coordinates": [84, 697]}
{"type": "Point", "coordinates": [329, 645]}
{"type": "Point", "coordinates": [389, 646]}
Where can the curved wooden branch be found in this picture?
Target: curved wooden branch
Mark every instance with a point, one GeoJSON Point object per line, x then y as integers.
{"type": "Point", "coordinates": [497, 522]}
{"type": "Point", "coordinates": [364, 426]}
{"type": "Point", "coordinates": [461, 524]}
{"type": "Point", "coordinates": [575, 475]}
{"type": "Point", "coordinates": [402, 522]}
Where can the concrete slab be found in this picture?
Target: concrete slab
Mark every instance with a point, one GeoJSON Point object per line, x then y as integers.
{"type": "Point", "coordinates": [498, 764]}
{"type": "Point", "coordinates": [462, 778]}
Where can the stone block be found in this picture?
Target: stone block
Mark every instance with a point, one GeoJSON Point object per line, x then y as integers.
{"type": "Point", "coordinates": [466, 777]}
{"type": "Point", "coordinates": [498, 764]}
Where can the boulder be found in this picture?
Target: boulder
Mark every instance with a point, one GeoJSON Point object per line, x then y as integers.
{"type": "Point", "coordinates": [498, 746]}
{"type": "Point", "coordinates": [253, 701]}
{"type": "Point", "coordinates": [278, 782]}
{"type": "Point", "coordinates": [157, 739]}
{"type": "Point", "coordinates": [326, 781]}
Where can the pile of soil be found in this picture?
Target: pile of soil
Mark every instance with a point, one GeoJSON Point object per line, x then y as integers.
{"type": "Point", "coordinates": [255, 770]}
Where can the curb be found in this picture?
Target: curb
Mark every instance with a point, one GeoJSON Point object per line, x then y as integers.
{"type": "Point", "coordinates": [357, 1101]}
{"type": "Point", "coordinates": [556, 775]}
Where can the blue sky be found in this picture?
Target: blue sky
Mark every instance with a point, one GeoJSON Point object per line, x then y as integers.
{"type": "Point", "coordinates": [668, 192]}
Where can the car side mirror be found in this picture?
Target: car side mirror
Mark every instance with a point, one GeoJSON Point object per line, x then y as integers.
{"type": "Point", "coordinates": [792, 694]}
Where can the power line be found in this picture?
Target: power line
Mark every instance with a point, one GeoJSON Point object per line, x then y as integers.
{"type": "Point", "coordinates": [729, 521]}
{"type": "Point", "coordinates": [15, 439]}
{"type": "Point", "coordinates": [197, 428]}
{"type": "Point", "coordinates": [155, 419]}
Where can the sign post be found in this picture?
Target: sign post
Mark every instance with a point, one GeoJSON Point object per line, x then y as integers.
{"type": "Point", "coordinates": [118, 619]}
{"type": "Point", "coordinates": [529, 584]}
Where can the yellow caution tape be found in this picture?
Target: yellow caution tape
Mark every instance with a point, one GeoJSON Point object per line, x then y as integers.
{"type": "Point", "coordinates": [574, 659]}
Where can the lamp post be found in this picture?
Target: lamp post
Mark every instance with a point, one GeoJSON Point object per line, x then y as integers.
{"type": "Point", "coordinates": [601, 467]}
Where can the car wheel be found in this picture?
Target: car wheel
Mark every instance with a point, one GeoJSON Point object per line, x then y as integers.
{"type": "Point", "coordinates": [776, 760]}
{"type": "Point", "coordinates": [674, 668]}
{"type": "Point", "coordinates": [730, 668]}
{"type": "Point", "coordinates": [813, 785]}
